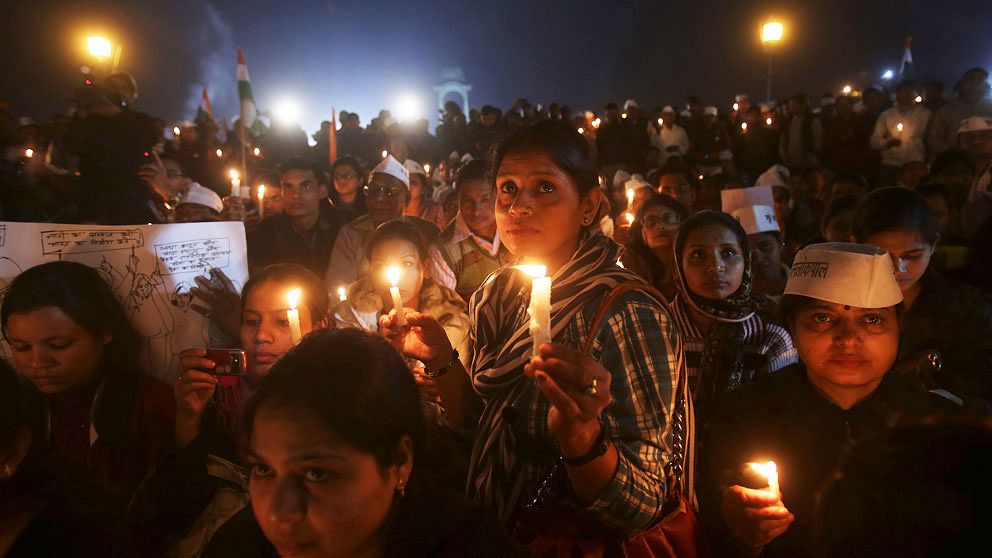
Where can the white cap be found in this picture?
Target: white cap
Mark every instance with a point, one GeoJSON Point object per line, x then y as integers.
{"type": "Point", "coordinates": [635, 184]}
{"type": "Point", "coordinates": [414, 167]}
{"type": "Point", "coordinates": [753, 207]}
{"type": "Point", "coordinates": [392, 167]}
{"type": "Point", "coordinates": [710, 111]}
{"type": "Point", "coordinates": [668, 108]}
{"type": "Point", "coordinates": [467, 157]}
{"type": "Point", "coordinates": [852, 274]}
{"type": "Point", "coordinates": [629, 103]}
{"type": "Point", "coordinates": [975, 124]}
{"type": "Point", "coordinates": [776, 175]}
{"type": "Point", "coordinates": [202, 195]}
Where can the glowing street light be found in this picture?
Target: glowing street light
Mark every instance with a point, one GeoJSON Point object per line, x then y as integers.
{"type": "Point", "coordinates": [99, 47]}
{"type": "Point", "coordinates": [287, 111]}
{"type": "Point", "coordinates": [771, 33]}
{"type": "Point", "coordinates": [408, 108]}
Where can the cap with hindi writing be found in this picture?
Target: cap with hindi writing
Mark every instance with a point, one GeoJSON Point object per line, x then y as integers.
{"type": "Point", "coordinates": [843, 273]}
{"type": "Point", "coordinates": [414, 167]}
{"type": "Point", "coordinates": [391, 167]}
{"type": "Point", "coordinates": [753, 207]}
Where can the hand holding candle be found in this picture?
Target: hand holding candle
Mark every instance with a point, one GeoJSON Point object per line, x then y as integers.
{"type": "Point", "coordinates": [293, 315]}
{"type": "Point", "coordinates": [540, 305]}
{"type": "Point", "coordinates": [393, 274]}
{"type": "Point", "coordinates": [261, 201]}
{"type": "Point", "coordinates": [769, 471]}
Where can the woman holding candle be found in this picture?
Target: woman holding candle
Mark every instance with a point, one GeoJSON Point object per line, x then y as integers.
{"type": "Point", "coordinates": [606, 412]}
{"type": "Point", "coordinates": [399, 247]}
{"type": "Point", "coordinates": [729, 335]}
{"type": "Point", "coordinates": [649, 252]}
{"type": "Point", "coordinates": [945, 337]}
{"type": "Point", "coordinates": [841, 305]}
{"type": "Point", "coordinates": [210, 406]}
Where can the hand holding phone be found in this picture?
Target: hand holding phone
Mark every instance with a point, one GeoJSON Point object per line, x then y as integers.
{"type": "Point", "coordinates": [227, 362]}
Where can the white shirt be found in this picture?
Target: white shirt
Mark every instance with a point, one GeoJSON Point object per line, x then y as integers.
{"type": "Point", "coordinates": [914, 128]}
{"type": "Point", "coordinates": [668, 137]}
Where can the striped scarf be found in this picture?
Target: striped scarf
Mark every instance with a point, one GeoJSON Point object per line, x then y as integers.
{"type": "Point", "coordinates": [501, 346]}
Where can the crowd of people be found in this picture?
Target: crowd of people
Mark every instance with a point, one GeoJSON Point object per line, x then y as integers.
{"type": "Point", "coordinates": [769, 283]}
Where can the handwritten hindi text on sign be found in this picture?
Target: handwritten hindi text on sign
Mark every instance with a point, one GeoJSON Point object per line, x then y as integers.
{"type": "Point", "coordinates": [81, 241]}
{"type": "Point", "coordinates": [194, 256]}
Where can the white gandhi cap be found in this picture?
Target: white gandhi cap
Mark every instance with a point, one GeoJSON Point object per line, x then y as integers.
{"type": "Point", "coordinates": [753, 207]}
{"type": "Point", "coordinates": [852, 274]}
{"type": "Point", "coordinates": [391, 167]}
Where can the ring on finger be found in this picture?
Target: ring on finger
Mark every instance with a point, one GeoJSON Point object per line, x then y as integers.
{"type": "Point", "coordinates": [591, 390]}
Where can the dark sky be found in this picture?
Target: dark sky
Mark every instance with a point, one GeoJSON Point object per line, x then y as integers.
{"type": "Point", "coordinates": [362, 55]}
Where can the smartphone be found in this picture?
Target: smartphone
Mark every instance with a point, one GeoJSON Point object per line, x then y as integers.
{"type": "Point", "coordinates": [228, 362]}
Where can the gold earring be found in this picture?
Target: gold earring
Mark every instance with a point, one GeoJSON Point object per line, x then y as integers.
{"type": "Point", "coordinates": [401, 488]}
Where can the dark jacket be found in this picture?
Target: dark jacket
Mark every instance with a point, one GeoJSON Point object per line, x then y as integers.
{"type": "Point", "coordinates": [784, 418]}
{"type": "Point", "coordinates": [429, 523]}
{"type": "Point", "coordinates": [276, 240]}
{"type": "Point", "coordinates": [955, 320]}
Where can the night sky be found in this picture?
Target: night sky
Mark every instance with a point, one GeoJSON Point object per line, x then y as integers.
{"type": "Point", "coordinates": [363, 55]}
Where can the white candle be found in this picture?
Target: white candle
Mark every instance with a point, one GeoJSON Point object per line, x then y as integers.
{"type": "Point", "coordinates": [219, 153]}
{"type": "Point", "coordinates": [630, 218]}
{"type": "Point", "coordinates": [384, 153]}
{"type": "Point", "coordinates": [293, 315]}
{"type": "Point", "coordinates": [768, 121]}
{"type": "Point", "coordinates": [630, 198]}
{"type": "Point", "coordinates": [176, 131]}
{"type": "Point", "coordinates": [427, 168]}
{"type": "Point", "coordinates": [899, 129]}
{"type": "Point", "coordinates": [393, 274]}
{"type": "Point", "coordinates": [770, 471]}
{"type": "Point", "coordinates": [743, 126]}
{"type": "Point", "coordinates": [29, 153]}
{"type": "Point", "coordinates": [261, 201]}
{"type": "Point", "coordinates": [342, 294]}
{"type": "Point", "coordinates": [257, 152]}
{"type": "Point", "coordinates": [661, 122]}
{"type": "Point", "coordinates": [540, 305]}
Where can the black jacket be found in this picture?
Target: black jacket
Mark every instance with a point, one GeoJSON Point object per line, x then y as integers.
{"type": "Point", "coordinates": [784, 418]}
{"type": "Point", "coordinates": [276, 240]}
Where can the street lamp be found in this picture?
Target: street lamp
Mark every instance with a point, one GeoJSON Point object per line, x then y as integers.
{"type": "Point", "coordinates": [771, 33]}
{"type": "Point", "coordinates": [99, 47]}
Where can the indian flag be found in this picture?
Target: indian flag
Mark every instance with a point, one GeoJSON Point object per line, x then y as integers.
{"type": "Point", "coordinates": [906, 67]}
{"type": "Point", "coordinates": [204, 113]}
{"type": "Point", "coordinates": [249, 114]}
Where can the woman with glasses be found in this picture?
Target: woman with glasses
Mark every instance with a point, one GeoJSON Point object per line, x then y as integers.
{"type": "Point", "coordinates": [348, 192]}
{"type": "Point", "coordinates": [727, 332]}
{"type": "Point", "coordinates": [649, 251]}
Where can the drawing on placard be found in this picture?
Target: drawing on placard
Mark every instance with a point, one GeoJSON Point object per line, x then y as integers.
{"type": "Point", "coordinates": [146, 305]}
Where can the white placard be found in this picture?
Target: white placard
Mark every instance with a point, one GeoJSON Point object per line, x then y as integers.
{"type": "Point", "coordinates": [149, 267]}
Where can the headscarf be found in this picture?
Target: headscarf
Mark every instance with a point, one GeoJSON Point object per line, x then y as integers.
{"type": "Point", "coordinates": [502, 344]}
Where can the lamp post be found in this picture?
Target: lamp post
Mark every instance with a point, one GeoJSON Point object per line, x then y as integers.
{"type": "Point", "coordinates": [101, 48]}
{"type": "Point", "coordinates": [771, 33]}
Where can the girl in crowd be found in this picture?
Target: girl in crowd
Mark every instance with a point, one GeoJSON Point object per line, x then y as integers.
{"type": "Point", "coordinates": [347, 177]}
{"type": "Point", "coordinates": [70, 338]}
{"type": "Point", "coordinates": [841, 307]}
{"type": "Point", "coordinates": [649, 251]}
{"type": "Point", "coordinates": [728, 334]}
{"type": "Point", "coordinates": [336, 435]}
{"type": "Point", "coordinates": [835, 223]}
{"type": "Point", "coordinates": [210, 405]}
{"type": "Point", "coordinates": [422, 202]}
{"type": "Point", "coordinates": [44, 510]}
{"type": "Point", "coordinates": [946, 326]}
{"type": "Point", "coordinates": [606, 411]}
{"type": "Point", "coordinates": [399, 244]}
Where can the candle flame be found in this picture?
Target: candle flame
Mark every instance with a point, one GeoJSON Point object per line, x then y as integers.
{"type": "Point", "coordinates": [744, 126]}
{"type": "Point", "coordinates": [630, 196]}
{"type": "Point", "coordinates": [768, 470]}
{"type": "Point", "coordinates": [219, 152]}
{"type": "Point", "coordinates": [233, 173]}
{"type": "Point", "coordinates": [393, 274]}
{"type": "Point", "coordinates": [29, 153]}
{"type": "Point", "coordinates": [899, 127]}
{"type": "Point", "coordinates": [342, 294]}
{"type": "Point", "coordinates": [257, 152]}
{"type": "Point", "coordinates": [261, 191]}
{"type": "Point", "coordinates": [427, 168]}
{"type": "Point", "coordinates": [384, 153]}
{"type": "Point", "coordinates": [176, 130]}
{"type": "Point", "coordinates": [630, 218]}
{"type": "Point", "coordinates": [768, 121]}
{"type": "Point", "coordinates": [294, 297]}
{"type": "Point", "coordinates": [582, 130]}
{"type": "Point", "coordinates": [534, 270]}
{"type": "Point", "coordinates": [919, 98]}
{"type": "Point", "coordinates": [736, 106]}
{"type": "Point", "coordinates": [661, 121]}
{"type": "Point", "coordinates": [596, 123]}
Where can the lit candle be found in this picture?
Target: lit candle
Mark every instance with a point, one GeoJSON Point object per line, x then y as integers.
{"type": "Point", "coordinates": [427, 168]}
{"type": "Point", "coordinates": [847, 89]}
{"type": "Point", "coordinates": [540, 305]}
{"type": "Point", "coordinates": [661, 122]}
{"type": "Point", "coordinates": [342, 294]}
{"type": "Point", "coordinates": [919, 99]}
{"type": "Point", "coordinates": [624, 115]}
{"type": "Point", "coordinates": [261, 201]}
{"type": "Point", "coordinates": [29, 153]}
{"type": "Point", "coordinates": [176, 131]}
{"type": "Point", "coordinates": [630, 197]}
{"type": "Point", "coordinates": [596, 123]}
{"type": "Point", "coordinates": [393, 274]}
{"type": "Point", "coordinates": [899, 129]}
{"type": "Point", "coordinates": [743, 126]}
{"type": "Point", "coordinates": [384, 153]}
{"type": "Point", "coordinates": [293, 315]}
{"type": "Point", "coordinates": [768, 121]}
{"type": "Point", "coordinates": [769, 471]}
{"type": "Point", "coordinates": [219, 152]}
{"type": "Point", "coordinates": [582, 130]}
{"type": "Point", "coordinates": [257, 151]}
{"type": "Point", "coordinates": [236, 189]}
{"type": "Point", "coordinates": [736, 106]}
{"type": "Point", "coordinates": [630, 218]}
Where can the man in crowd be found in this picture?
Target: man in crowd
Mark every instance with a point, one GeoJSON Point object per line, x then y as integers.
{"type": "Point", "coordinates": [802, 136]}
{"type": "Point", "coordinates": [675, 182]}
{"type": "Point", "coordinates": [971, 99]}
{"type": "Point", "coordinates": [670, 139]}
{"type": "Point", "coordinates": [469, 249]}
{"type": "Point", "coordinates": [386, 196]}
{"type": "Point", "coordinates": [899, 133]}
{"type": "Point", "coordinates": [306, 229]}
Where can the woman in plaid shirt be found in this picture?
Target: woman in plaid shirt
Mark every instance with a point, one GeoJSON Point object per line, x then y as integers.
{"type": "Point", "coordinates": [607, 413]}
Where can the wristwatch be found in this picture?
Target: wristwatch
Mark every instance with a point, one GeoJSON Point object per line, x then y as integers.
{"type": "Point", "coordinates": [598, 449]}
{"type": "Point", "coordinates": [428, 373]}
